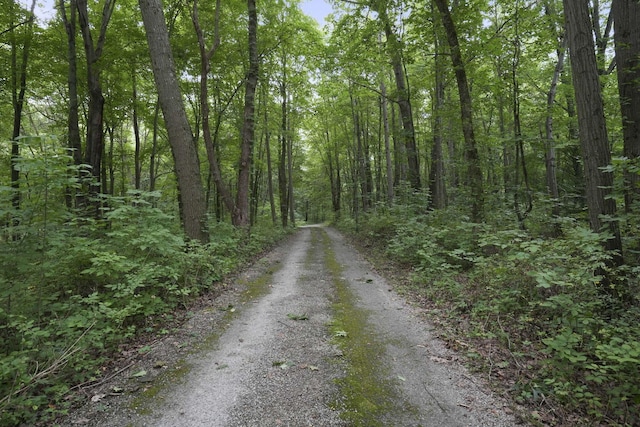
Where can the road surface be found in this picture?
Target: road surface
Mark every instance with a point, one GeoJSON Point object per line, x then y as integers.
{"type": "Point", "coordinates": [322, 340]}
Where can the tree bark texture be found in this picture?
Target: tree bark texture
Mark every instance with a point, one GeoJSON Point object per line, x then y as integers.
{"type": "Point", "coordinates": [19, 89]}
{"type": "Point", "coordinates": [282, 152]}
{"type": "Point", "coordinates": [187, 167]}
{"type": "Point", "coordinates": [437, 185]}
{"type": "Point", "coordinates": [626, 15]}
{"type": "Point", "coordinates": [474, 172]}
{"type": "Point", "coordinates": [591, 123]}
{"type": "Point", "coordinates": [550, 155]}
{"type": "Point", "coordinates": [241, 214]}
{"type": "Point", "coordinates": [387, 142]}
{"type": "Point", "coordinates": [404, 102]}
{"type": "Point", "coordinates": [95, 122]}
{"type": "Point", "coordinates": [73, 127]}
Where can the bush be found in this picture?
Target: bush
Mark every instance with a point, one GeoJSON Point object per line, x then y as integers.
{"type": "Point", "coordinates": [541, 297]}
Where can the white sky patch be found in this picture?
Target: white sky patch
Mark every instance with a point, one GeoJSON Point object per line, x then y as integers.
{"type": "Point", "coordinates": [317, 9]}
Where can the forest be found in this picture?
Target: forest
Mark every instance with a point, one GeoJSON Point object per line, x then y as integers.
{"type": "Point", "coordinates": [487, 148]}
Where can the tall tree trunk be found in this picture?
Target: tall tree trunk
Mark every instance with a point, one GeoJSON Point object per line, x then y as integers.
{"type": "Point", "coordinates": [154, 147]}
{"type": "Point", "coordinates": [223, 191]}
{"type": "Point", "coordinates": [592, 125]}
{"type": "Point", "coordinates": [256, 179]}
{"type": "Point", "coordinates": [387, 144]}
{"type": "Point", "coordinates": [73, 127]}
{"type": "Point", "coordinates": [337, 205]}
{"type": "Point", "coordinates": [241, 214]}
{"type": "Point", "coordinates": [359, 152]}
{"type": "Point", "coordinates": [404, 99]}
{"type": "Point", "coordinates": [95, 122]}
{"type": "Point", "coordinates": [19, 88]}
{"type": "Point", "coordinates": [267, 143]}
{"type": "Point", "coordinates": [474, 172]}
{"type": "Point", "coordinates": [437, 186]}
{"type": "Point", "coordinates": [521, 165]}
{"type": "Point", "coordinates": [110, 166]}
{"type": "Point", "coordinates": [187, 167]}
{"type": "Point", "coordinates": [290, 193]}
{"type": "Point", "coordinates": [282, 154]}
{"type": "Point", "coordinates": [626, 15]}
{"type": "Point", "coordinates": [550, 154]}
{"type": "Point", "coordinates": [136, 133]}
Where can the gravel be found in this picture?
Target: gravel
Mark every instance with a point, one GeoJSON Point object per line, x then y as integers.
{"type": "Point", "coordinates": [272, 360]}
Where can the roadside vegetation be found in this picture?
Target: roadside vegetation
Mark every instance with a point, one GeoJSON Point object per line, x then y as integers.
{"type": "Point", "coordinates": [523, 306]}
{"type": "Point", "coordinates": [76, 289]}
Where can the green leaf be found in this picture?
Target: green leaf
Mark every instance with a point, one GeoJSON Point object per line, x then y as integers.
{"type": "Point", "coordinates": [297, 316]}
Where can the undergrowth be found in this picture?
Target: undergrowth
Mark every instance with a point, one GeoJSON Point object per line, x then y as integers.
{"type": "Point", "coordinates": [533, 310]}
{"type": "Point", "coordinates": [74, 288]}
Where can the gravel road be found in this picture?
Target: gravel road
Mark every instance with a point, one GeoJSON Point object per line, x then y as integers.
{"type": "Point", "coordinates": [326, 342]}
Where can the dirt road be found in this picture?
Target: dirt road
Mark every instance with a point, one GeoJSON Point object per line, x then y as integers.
{"type": "Point", "coordinates": [315, 338]}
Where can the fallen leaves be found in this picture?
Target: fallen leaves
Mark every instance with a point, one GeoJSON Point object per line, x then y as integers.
{"type": "Point", "coordinates": [139, 374]}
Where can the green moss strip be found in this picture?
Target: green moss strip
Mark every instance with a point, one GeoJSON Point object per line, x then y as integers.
{"type": "Point", "coordinates": [368, 395]}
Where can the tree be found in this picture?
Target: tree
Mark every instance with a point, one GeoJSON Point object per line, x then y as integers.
{"type": "Point", "coordinates": [474, 172]}
{"type": "Point", "coordinates": [437, 185]}
{"type": "Point", "coordinates": [94, 147]}
{"type": "Point", "coordinates": [187, 166]}
{"type": "Point", "coordinates": [394, 50]}
{"type": "Point", "coordinates": [73, 121]}
{"type": "Point", "coordinates": [626, 16]}
{"type": "Point", "coordinates": [241, 216]}
{"type": "Point", "coordinates": [592, 125]}
{"type": "Point", "coordinates": [18, 91]}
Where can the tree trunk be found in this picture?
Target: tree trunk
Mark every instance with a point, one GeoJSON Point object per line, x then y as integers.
{"type": "Point", "coordinates": [521, 165]}
{"type": "Point", "coordinates": [404, 102]}
{"type": "Point", "coordinates": [223, 191]}
{"type": "Point", "coordinates": [267, 143]}
{"type": "Point", "coordinates": [154, 147]}
{"type": "Point", "coordinates": [474, 172]}
{"type": "Point", "coordinates": [292, 212]}
{"type": "Point", "coordinates": [282, 159]}
{"type": "Point", "coordinates": [73, 128]}
{"type": "Point", "coordinates": [110, 166]}
{"type": "Point", "coordinates": [19, 88]}
{"type": "Point", "coordinates": [136, 134]}
{"type": "Point", "coordinates": [437, 186]}
{"type": "Point", "coordinates": [550, 155]}
{"type": "Point", "coordinates": [387, 145]}
{"type": "Point", "coordinates": [592, 125]}
{"type": "Point", "coordinates": [187, 165]}
{"type": "Point", "coordinates": [241, 214]}
{"type": "Point", "coordinates": [95, 134]}
{"type": "Point", "coordinates": [626, 15]}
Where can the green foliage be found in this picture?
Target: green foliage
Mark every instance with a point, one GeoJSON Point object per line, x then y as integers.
{"type": "Point", "coordinates": [76, 287]}
{"type": "Point", "coordinates": [542, 298]}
